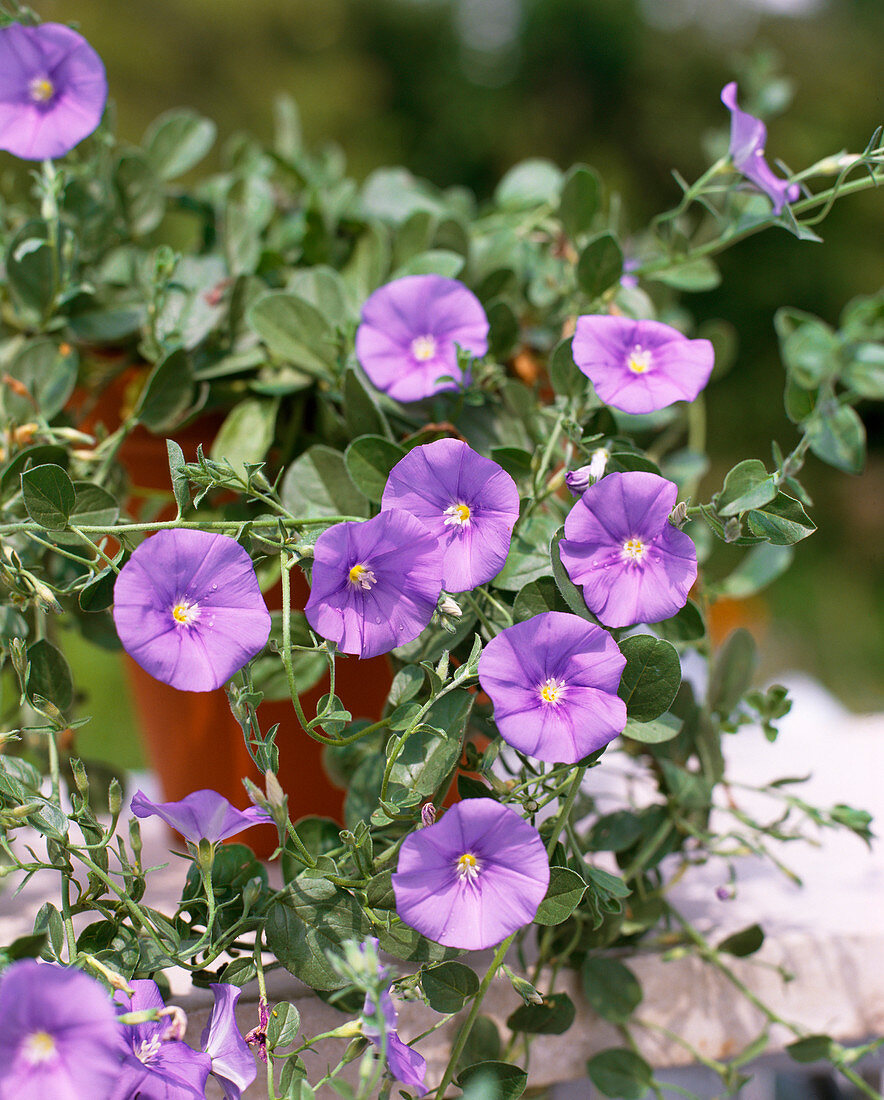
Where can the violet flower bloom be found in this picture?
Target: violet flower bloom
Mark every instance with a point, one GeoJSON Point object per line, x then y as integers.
{"type": "Point", "coordinates": [748, 136]}
{"type": "Point", "coordinates": [188, 608]}
{"type": "Point", "coordinates": [59, 1036]}
{"type": "Point", "coordinates": [640, 366]}
{"type": "Point", "coordinates": [405, 1064]}
{"type": "Point", "coordinates": [375, 584]}
{"type": "Point", "coordinates": [411, 330]}
{"type": "Point", "coordinates": [553, 681]}
{"type": "Point", "coordinates": [468, 502]}
{"type": "Point", "coordinates": [157, 1065]}
{"type": "Point", "coordinates": [474, 877]}
{"type": "Point", "coordinates": [232, 1063]}
{"type": "Point", "coordinates": [52, 90]}
{"type": "Point", "coordinates": [619, 546]}
{"type": "Point", "coordinates": [202, 815]}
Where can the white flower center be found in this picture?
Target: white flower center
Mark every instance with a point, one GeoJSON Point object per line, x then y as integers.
{"type": "Point", "coordinates": [468, 867]}
{"type": "Point", "coordinates": [635, 549]}
{"type": "Point", "coordinates": [185, 612]}
{"type": "Point", "coordinates": [38, 1048]}
{"type": "Point", "coordinates": [639, 360]}
{"type": "Point", "coordinates": [148, 1050]}
{"type": "Point", "coordinates": [361, 577]}
{"type": "Point", "coordinates": [423, 348]}
{"type": "Point", "coordinates": [458, 515]}
{"type": "Point", "coordinates": [41, 89]}
{"type": "Point", "coordinates": [551, 691]}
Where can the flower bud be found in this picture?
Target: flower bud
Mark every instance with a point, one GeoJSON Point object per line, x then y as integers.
{"type": "Point", "coordinates": [428, 814]}
{"type": "Point", "coordinates": [114, 797]}
{"type": "Point", "coordinates": [678, 517]}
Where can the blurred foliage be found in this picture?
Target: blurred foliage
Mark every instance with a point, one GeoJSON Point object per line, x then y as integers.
{"type": "Point", "coordinates": [458, 90]}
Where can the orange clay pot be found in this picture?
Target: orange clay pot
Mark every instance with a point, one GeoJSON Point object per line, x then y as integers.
{"type": "Point", "coordinates": [191, 738]}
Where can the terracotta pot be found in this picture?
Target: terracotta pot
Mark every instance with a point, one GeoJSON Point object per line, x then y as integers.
{"type": "Point", "coordinates": [191, 738]}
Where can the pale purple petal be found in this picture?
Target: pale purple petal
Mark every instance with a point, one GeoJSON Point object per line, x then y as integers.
{"type": "Point", "coordinates": [59, 1036]}
{"type": "Point", "coordinates": [472, 910]}
{"type": "Point", "coordinates": [210, 581]}
{"type": "Point", "coordinates": [71, 90]}
{"type": "Point", "coordinates": [405, 1064]}
{"type": "Point", "coordinates": [435, 482]}
{"type": "Point", "coordinates": [553, 680]}
{"type": "Point", "coordinates": [401, 573]}
{"type": "Point", "coordinates": [620, 547]}
{"type": "Point", "coordinates": [410, 331]}
{"type": "Point", "coordinates": [640, 366]}
{"type": "Point", "coordinates": [747, 141]}
{"type": "Point", "coordinates": [201, 815]}
{"type": "Point", "coordinates": [232, 1063]}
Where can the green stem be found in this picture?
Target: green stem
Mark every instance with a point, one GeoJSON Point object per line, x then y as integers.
{"type": "Point", "coordinates": [565, 810]}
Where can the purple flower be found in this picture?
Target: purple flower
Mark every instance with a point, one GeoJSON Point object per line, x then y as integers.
{"type": "Point", "coordinates": [633, 565]}
{"type": "Point", "coordinates": [52, 90]}
{"type": "Point", "coordinates": [157, 1065]}
{"type": "Point", "coordinates": [232, 1063]}
{"type": "Point", "coordinates": [188, 609]}
{"type": "Point", "coordinates": [468, 502]}
{"type": "Point", "coordinates": [474, 877]}
{"type": "Point", "coordinates": [202, 815]}
{"type": "Point", "coordinates": [579, 480]}
{"type": "Point", "coordinates": [640, 366]}
{"type": "Point", "coordinates": [59, 1036]}
{"type": "Point", "coordinates": [375, 584]}
{"type": "Point", "coordinates": [405, 1064]}
{"type": "Point", "coordinates": [411, 330]}
{"type": "Point", "coordinates": [748, 136]}
{"type": "Point", "coordinates": [553, 681]}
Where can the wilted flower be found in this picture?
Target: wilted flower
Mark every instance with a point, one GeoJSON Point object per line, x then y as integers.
{"type": "Point", "coordinates": [375, 584]}
{"type": "Point", "coordinates": [202, 815]}
{"type": "Point", "coordinates": [379, 1027]}
{"type": "Point", "coordinates": [410, 332]}
{"type": "Point", "coordinates": [188, 608]}
{"type": "Point", "coordinates": [156, 1064]}
{"type": "Point", "coordinates": [553, 681]}
{"type": "Point", "coordinates": [52, 90]}
{"type": "Point", "coordinates": [59, 1034]}
{"type": "Point", "coordinates": [468, 502]}
{"type": "Point", "coordinates": [619, 546]}
{"type": "Point", "coordinates": [474, 877]}
{"type": "Point", "coordinates": [748, 136]}
{"type": "Point", "coordinates": [579, 480]}
{"type": "Point", "coordinates": [232, 1063]}
{"type": "Point", "coordinates": [640, 366]}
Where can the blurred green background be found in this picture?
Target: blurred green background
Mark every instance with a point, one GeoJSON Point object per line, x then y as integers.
{"type": "Point", "coordinates": [458, 90]}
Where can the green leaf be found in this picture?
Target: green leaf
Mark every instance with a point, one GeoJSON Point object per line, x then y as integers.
{"type": "Point", "coordinates": [32, 267]}
{"type": "Point", "coordinates": [748, 485]}
{"type": "Point", "coordinates": [177, 141]}
{"type": "Point", "coordinates": [312, 917]}
{"type": "Point", "coordinates": [600, 265]}
{"type": "Point", "coordinates": [180, 484]}
{"type": "Point", "coordinates": [140, 193]}
{"type": "Point", "coordinates": [694, 275]}
{"type": "Point", "coordinates": [93, 506]}
{"type": "Point", "coordinates": [503, 333]}
{"type": "Point", "coordinates": [781, 522]}
{"type": "Point", "coordinates": [534, 182]}
{"type": "Point", "coordinates": [651, 678]}
{"type": "Point", "coordinates": [50, 674]}
{"type": "Point", "coordinates": [283, 1025]}
{"type": "Point", "coordinates": [515, 460]}
{"type": "Point", "coordinates": [565, 891]}
{"type": "Point", "coordinates": [167, 393]}
{"type": "Point", "coordinates": [838, 437]}
{"type": "Point", "coordinates": [369, 461]}
{"type": "Point", "coordinates": [864, 374]}
{"type": "Point", "coordinates": [528, 557]}
{"type": "Point", "coordinates": [379, 893]}
{"type": "Point", "coordinates": [743, 943]}
{"type": "Point", "coordinates": [448, 986]}
{"type": "Point", "coordinates": [611, 988]}
{"type": "Point", "coordinates": [813, 1048]}
{"type": "Point", "coordinates": [808, 346]}
{"type": "Point", "coordinates": [553, 1017]}
{"type": "Point", "coordinates": [437, 261]}
{"type": "Point", "coordinates": [405, 943]}
{"type": "Point", "coordinates": [732, 672]}
{"type": "Point", "coordinates": [620, 1073]}
{"type": "Point", "coordinates": [317, 484]}
{"type": "Point", "coordinates": [566, 377]}
{"type": "Point", "coordinates": [614, 832]}
{"type": "Point", "coordinates": [247, 432]}
{"type": "Point", "coordinates": [239, 972]}
{"type": "Point", "coordinates": [536, 598]}
{"type": "Point", "coordinates": [431, 754]}
{"type": "Point", "coordinates": [49, 496]}
{"type": "Point", "coordinates": [761, 565]}
{"type": "Point", "coordinates": [580, 199]}
{"type": "Point", "coordinates": [98, 594]}
{"type": "Point", "coordinates": [507, 1082]}
{"type": "Point", "coordinates": [570, 593]}
{"type": "Point", "coordinates": [295, 331]}
{"type": "Point", "coordinates": [662, 729]}
{"type": "Point", "coordinates": [48, 371]}
{"type": "Point", "coordinates": [686, 625]}
{"type": "Point", "coordinates": [361, 413]}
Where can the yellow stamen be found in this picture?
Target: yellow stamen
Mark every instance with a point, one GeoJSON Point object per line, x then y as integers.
{"type": "Point", "coordinates": [184, 612]}
{"type": "Point", "coordinates": [458, 515]}
{"type": "Point", "coordinates": [551, 690]}
{"type": "Point", "coordinates": [468, 867]}
{"type": "Point", "coordinates": [41, 89]}
{"type": "Point", "coordinates": [361, 577]}
{"type": "Point", "coordinates": [639, 361]}
{"type": "Point", "coordinates": [634, 548]}
{"type": "Point", "coordinates": [423, 348]}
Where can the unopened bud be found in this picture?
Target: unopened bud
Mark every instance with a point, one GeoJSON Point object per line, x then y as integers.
{"type": "Point", "coordinates": [135, 838]}
{"type": "Point", "coordinates": [205, 854]}
{"type": "Point", "coordinates": [80, 777]}
{"type": "Point", "coordinates": [275, 794]}
{"type": "Point", "coordinates": [678, 517]}
{"type": "Point", "coordinates": [251, 892]}
{"type": "Point", "coordinates": [428, 814]}
{"type": "Point", "coordinates": [354, 1050]}
{"type": "Point", "coordinates": [347, 1030]}
{"type": "Point", "coordinates": [525, 989]}
{"type": "Point", "coordinates": [114, 797]}
{"type": "Point", "coordinates": [732, 529]}
{"type": "Point", "coordinates": [451, 608]}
